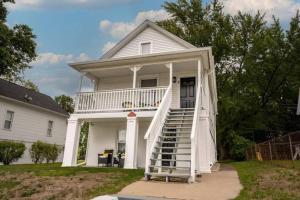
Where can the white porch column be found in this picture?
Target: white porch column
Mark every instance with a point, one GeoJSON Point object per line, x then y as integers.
{"type": "Point", "coordinates": [170, 67]}
{"type": "Point", "coordinates": [131, 142]}
{"type": "Point", "coordinates": [135, 70]}
{"type": "Point", "coordinates": [71, 143]}
{"type": "Point", "coordinates": [204, 124]}
{"type": "Point", "coordinates": [82, 74]}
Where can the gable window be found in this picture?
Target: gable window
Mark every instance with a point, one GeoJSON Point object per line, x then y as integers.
{"type": "Point", "coordinates": [145, 47]}
{"type": "Point", "coordinates": [8, 120]}
{"type": "Point", "coordinates": [50, 127]}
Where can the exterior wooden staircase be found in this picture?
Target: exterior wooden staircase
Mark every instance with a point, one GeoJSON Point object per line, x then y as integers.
{"type": "Point", "coordinates": [171, 156]}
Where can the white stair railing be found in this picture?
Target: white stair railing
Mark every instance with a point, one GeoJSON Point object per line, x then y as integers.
{"type": "Point", "coordinates": [194, 135]}
{"type": "Point", "coordinates": [156, 125]}
{"type": "Point", "coordinates": [120, 100]}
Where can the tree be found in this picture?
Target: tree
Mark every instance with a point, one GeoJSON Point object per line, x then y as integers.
{"type": "Point", "coordinates": [257, 66]}
{"type": "Point", "coordinates": [17, 46]}
{"type": "Point", "coordinates": [66, 102]}
{"type": "Point", "coordinates": [83, 140]}
{"type": "Point", "coordinates": [30, 85]}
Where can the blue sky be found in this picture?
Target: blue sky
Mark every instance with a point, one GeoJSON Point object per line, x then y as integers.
{"type": "Point", "coordinates": [76, 30]}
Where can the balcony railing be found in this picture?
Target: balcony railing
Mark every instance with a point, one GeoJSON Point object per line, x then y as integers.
{"type": "Point", "coordinates": [119, 100]}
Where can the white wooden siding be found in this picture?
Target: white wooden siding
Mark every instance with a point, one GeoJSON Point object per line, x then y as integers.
{"type": "Point", "coordinates": [159, 43]}
{"type": "Point", "coordinates": [30, 124]}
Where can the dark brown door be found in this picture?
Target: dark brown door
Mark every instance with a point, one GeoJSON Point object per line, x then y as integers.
{"type": "Point", "coordinates": [187, 92]}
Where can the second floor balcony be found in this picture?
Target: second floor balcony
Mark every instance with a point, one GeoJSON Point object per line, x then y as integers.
{"type": "Point", "coordinates": [118, 100]}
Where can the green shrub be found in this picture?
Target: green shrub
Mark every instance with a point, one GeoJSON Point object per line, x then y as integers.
{"type": "Point", "coordinates": [10, 151]}
{"type": "Point", "coordinates": [238, 148]}
{"type": "Point", "coordinates": [41, 151]}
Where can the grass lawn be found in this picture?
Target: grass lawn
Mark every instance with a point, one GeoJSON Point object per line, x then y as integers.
{"type": "Point", "coordinates": [263, 180]}
{"type": "Point", "coordinates": [50, 181]}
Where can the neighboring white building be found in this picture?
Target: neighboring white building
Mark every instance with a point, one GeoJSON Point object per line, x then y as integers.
{"type": "Point", "coordinates": [154, 95]}
{"type": "Point", "coordinates": [27, 116]}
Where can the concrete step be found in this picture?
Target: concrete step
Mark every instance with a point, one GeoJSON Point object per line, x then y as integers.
{"type": "Point", "coordinates": [182, 109]}
{"type": "Point", "coordinates": [181, 120]}
{"type": "Point", "coordinates": [179, 175]}
{"type": "Point", "coordinates": [169, 167]}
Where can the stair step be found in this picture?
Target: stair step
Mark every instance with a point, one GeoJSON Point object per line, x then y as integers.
{"type": "Point", "coordinates": [176, 132]}
{"type": "Point", "coordinates": [171, 137]}
{"type": "Point", "coordinates": [176, 127]}
{"type": "Point", "coordinates": [179, 175]}
{"type": "Point", "coordinates": [182, 109]}
{"type": "Point", "coordinates": [170, 167]}
{"type": "Point", "coordinates": [167, 153]}
{"type": "Point", "coordinates": [178, 123]}
{"type": "Point", "coordinates": [172, 147]}
{"type": "Point", "coordinates": [171, 142]}
{"type": "Point", "coordinates": [171, 160]}
{"type": "Point", "coordinates": [174, 120]}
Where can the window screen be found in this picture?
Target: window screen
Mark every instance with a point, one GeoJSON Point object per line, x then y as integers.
{"type": "Point", "coordinates": [8, 120]}
{"type": "Point", "coordinates": [145, 48]}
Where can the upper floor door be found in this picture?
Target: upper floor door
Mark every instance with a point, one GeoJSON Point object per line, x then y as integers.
{"type": "Point", "coordinates": [187, 92]}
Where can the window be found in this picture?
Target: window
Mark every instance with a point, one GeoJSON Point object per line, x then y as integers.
{"type": "Point", "coordinates": [50, 127]}
{"type": "Point", "coordinates": [148, 83]}
{"type": "Point", "coordinates": [145, 47]}
{"type": "Point", "coordinates": [8, 120]}
{"type": "Point", "coordinates": [121, 141]}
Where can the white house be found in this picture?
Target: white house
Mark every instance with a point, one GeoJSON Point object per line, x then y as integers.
{"type": "Point", "coordinates": [27, 116]}
{"type": "Point", "coordinates": [154, 96]}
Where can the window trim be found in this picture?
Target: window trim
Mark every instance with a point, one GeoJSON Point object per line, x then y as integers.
{"type": "Point", "coordinates": [51, 130]}
{"type": "Point", "coordinates": [144, 42]}
{"type": "Point", "coordinates": [12, 120]}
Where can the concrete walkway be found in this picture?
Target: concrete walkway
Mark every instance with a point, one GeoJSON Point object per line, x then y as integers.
{"type": "Point", "coordinates": [220, 185]}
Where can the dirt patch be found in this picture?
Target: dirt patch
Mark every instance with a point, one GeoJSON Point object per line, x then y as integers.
{"type": "Point", "coordinates": [30, 186]}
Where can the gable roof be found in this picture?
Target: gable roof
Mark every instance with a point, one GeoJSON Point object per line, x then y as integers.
{"type": "Point", "coordinates": [147, 23]}
{"type": "Point", "coordinates": [22, 94]}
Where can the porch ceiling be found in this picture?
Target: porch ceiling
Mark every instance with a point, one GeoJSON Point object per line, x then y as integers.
{"type": "Point", "coordinates": [182, 66]}
{"type": "Point", "coordinates": [145, 60]}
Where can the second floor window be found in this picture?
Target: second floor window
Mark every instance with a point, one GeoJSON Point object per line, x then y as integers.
{"type": "Point", "coordinates": [145, 48]}
{"type": "Point", "coordinates": [50, 127]}
{"type": "Point", "coordinates": [8, 120]}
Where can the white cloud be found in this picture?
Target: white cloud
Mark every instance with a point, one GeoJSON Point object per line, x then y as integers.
{"type": "Point", "coordinates": [108, 46]}
{"type": "Point", "coordinates": [52, 58]}
{"type": "Point", "coordinates": [119, 29]}
{"type": "Point", "coordinates": [33, 4]}
{"type": "Point", "coordinates": [284, 9]}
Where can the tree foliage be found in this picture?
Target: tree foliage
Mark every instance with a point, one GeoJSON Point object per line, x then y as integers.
{"type": "Point", "coordinates": [257, 66]}
{"type": "Point", "coordinates": [11, 151]}
{"type": "Point", "coordinates": [66, 102]}
{"type": "Point", "coordinates": [17, 46]}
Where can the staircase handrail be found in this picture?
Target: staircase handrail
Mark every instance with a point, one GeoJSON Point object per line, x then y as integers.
{"type": "Point", "coordinates": [156, 125]}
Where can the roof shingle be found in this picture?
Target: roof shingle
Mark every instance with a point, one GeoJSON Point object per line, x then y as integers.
{"type": "Point", "coordinates": [20, 93]}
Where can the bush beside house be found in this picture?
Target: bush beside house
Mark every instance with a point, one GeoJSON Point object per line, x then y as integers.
{"type": "Point", "coordinates": [10, 151]}
{"type": "Point", "coordinates": [41, 151]}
